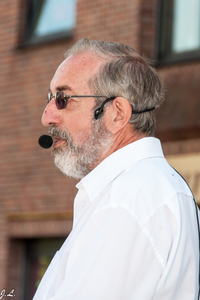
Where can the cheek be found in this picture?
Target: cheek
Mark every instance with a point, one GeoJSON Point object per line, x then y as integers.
{"type": "Point", "coordinates": [79, 127]}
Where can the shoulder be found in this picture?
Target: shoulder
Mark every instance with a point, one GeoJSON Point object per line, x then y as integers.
{"type": "Point", "coordinates": [146, 186]}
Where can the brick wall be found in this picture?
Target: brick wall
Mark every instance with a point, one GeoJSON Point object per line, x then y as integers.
{"type": "Point", "coordinates": [29, 182]}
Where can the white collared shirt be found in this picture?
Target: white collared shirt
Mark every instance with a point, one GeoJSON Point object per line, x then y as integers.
{"type": "Point", "coordinates": [134, 235]}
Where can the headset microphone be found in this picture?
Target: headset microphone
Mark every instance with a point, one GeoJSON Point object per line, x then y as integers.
{"type": "Point", "coordinates": [45, 141]}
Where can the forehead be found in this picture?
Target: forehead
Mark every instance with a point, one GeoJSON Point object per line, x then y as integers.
{"type": "Point", "coordinates": [75, 71]}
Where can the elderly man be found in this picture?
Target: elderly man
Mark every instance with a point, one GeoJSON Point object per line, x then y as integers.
{"type": "Point", "coordinates": [135, 232]}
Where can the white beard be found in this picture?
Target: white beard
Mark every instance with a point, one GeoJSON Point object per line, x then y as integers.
{"type": "Point", "coordinates": [77, 161]}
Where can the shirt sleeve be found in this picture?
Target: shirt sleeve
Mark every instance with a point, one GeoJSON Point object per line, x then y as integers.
{"type": "Point", "coordinates": [112, 258]}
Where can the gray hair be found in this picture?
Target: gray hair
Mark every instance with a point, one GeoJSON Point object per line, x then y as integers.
{"type": "Point", "coordinates": [124, 74]}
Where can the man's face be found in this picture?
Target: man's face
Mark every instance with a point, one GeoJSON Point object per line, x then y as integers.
{"type": "Point", "coordinates": [79, 141]}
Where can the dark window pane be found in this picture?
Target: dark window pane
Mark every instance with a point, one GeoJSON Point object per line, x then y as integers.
{"type": "Point", "coordinates": [39, 253]}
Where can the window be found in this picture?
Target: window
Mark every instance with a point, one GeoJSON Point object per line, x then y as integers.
{"type": "Point", "coordinates": [49, 20]}
{"type": "Point", "coordinates": [179, 36]}
{"type": "Point", "coordinates": [38, 255]}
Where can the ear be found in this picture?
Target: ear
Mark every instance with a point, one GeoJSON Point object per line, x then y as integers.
{"type": "Point", "coordinates": [118, 114]}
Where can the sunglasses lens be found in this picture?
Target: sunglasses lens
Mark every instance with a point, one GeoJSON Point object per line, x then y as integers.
{"type": "Point", "coordinates": [49, 97]}
{"type": "Point", "coordinates": [61, 103]}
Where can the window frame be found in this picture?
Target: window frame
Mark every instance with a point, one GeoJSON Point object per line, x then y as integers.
{"type": "Point", "coordinates": [164, 41]}
{"type": "Point", "coordinates": [34, 8]}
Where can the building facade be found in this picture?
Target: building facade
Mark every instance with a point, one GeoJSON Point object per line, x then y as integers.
{"type": "Point", "coordinates": [36, 200]}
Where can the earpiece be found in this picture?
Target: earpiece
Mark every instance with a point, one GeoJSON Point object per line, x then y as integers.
{"type": "Point", "coordinates": [99, 111]}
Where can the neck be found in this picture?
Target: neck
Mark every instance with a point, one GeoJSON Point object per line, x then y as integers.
{"type": "Point", "coordinates": [123, 138]}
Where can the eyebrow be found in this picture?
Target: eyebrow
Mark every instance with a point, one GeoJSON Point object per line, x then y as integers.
{"type": "Point", "coordinates": [62, 88]}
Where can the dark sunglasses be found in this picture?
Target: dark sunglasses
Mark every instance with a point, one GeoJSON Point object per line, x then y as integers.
{"type": "Point", "coordinates": [61, 99]}
{"type": "Point", "coordinates": [61, 102]}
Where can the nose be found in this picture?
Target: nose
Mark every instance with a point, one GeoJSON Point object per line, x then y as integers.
{"type": "Point", "coordinates": [51, 115]}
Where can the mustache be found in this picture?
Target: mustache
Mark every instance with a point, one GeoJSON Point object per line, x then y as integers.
{"type": "Point", "coordinates": [58, 133]}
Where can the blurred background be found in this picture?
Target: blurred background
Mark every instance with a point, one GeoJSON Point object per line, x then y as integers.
{"type": "Point", "coordinates": [36, 200]}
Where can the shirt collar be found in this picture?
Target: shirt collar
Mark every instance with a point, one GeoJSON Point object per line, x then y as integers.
{"type": "Point", "coordinates": [98, 179]}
